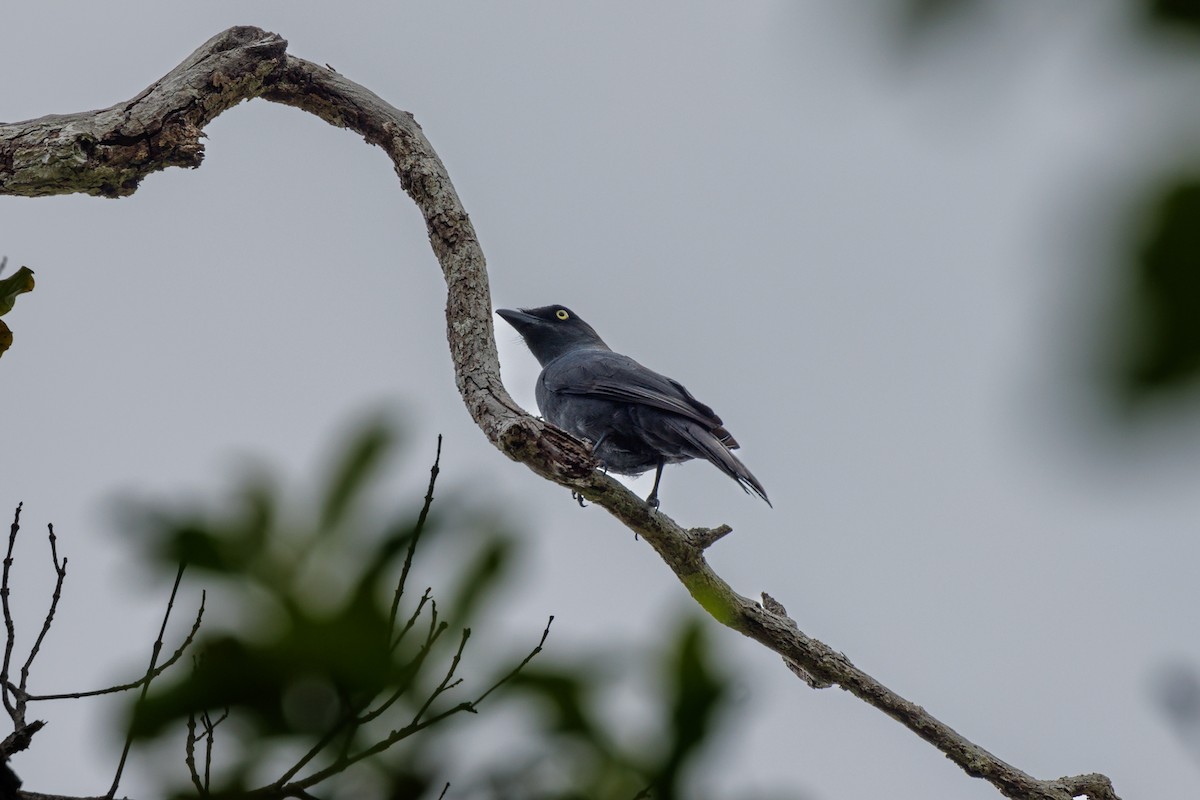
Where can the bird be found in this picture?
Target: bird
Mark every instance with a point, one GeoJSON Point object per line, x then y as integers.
{"type": "Point", "coordinates": [634, 418]}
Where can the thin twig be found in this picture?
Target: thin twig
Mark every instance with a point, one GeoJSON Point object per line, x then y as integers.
{"type": "Point", "coordinates": [417, 724]}
{"type": "Point", "coordinates": [445, 684]}
{"type": "Point", "coordinates": [341, 764]}
{"type": "Point", "coordinates": [512, 673]}
{"type": "Point", "coordinates": [425, 598]}
{"type": "Point", "coordinates": [346, 760]}
{"type": "Point", "coordinates": [416, 535]}
{"type": "Point", "coordinates": [10, 629]}
{"type": "Point", "coordinates": [60, 572]}
{"type": "Point", "coordinates": [410, 670]}
{"type": "Point", "coordinates": [210, 736]}
{"type": "Point", "coordinates": [154, 651]}
{"type": "Point", "coordinates": [189, 755]}
{"type": "Point", "coordinates": [124, 687]}
{"type": "Point", "coordinates": [353, 718]}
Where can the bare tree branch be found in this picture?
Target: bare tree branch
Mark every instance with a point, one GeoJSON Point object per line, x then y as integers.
{"type": "Point", "coordinates": [412, 549]}
{"type": "Point", "coordinates": [60, 573]}
{"type": "Point", "coordinates": [14, 696]}
{"type": "Point", "coordinates": [9, 627]}
{"type": "Point", "coordinates": [107, 153]}
{"type": "Point", "coordinates": [142, 681]}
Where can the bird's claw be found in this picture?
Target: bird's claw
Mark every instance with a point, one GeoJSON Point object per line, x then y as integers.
{"type": "Point", "coordinates": [652, 501]}
{"type": "Point", "coordinates": [578, 498]}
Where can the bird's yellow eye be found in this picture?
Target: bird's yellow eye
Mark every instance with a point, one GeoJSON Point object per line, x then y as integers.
{"type": "Point", "coordinates": [562, 313]}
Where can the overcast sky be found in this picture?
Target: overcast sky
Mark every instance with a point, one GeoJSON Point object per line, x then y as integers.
{"type": "Point", "coordinates": [878, 265]}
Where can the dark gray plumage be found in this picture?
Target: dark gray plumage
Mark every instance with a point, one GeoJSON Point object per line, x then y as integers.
{"type": "Point", "coordinates": [636, 419]}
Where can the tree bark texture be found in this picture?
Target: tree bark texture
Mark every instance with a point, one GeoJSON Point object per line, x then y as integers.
{"type": "Point", "coordinates": [107, 153]}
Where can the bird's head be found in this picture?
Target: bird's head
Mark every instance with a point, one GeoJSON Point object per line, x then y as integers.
{"type": "Point", "coordinates": [551, 331]}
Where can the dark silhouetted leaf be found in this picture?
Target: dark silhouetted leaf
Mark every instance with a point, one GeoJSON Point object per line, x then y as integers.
{"type": "Point", "coordinates": [1165, 309]}
{"type": "Point", "coordinates": [1181, 14]}
{"type": "Point", "coordinates": [698, 692]}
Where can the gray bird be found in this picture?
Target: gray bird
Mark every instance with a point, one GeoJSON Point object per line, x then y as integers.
{"type": "Point", "coordinates": [635, 419]}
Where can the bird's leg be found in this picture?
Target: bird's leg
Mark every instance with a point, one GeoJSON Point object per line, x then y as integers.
{"type": "Point", "coordinates": [600, 441]}
{"type": "Point", "coordinates": [652, 500]}
{"type": "Point", "coordinates": [596, 451]}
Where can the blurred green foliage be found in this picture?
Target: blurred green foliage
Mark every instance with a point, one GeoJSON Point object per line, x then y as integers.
{"type": "Point", "coordinates": [1180, 14]}
{"type": "Point", "coordinates": [1164, 302]}
{"type": "Point", "coordinates": [1176, 14]}
{"type": "Point", "coordinates": [332, 678]}
{"type": "Point", "coordinates": [1156, 347]}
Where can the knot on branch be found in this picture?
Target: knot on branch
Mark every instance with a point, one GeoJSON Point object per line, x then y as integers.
{"type": "Point", "coordinates": [19, 739]}
{"type": "Point", "coordinates": [776, 609]}
{"type": "Point", "coordinates": [1094, 785]}
{"type": "Point", "coordinates": [547, 450]}
{"type": "Point", "coordinates": [704, 538]}
{"type": "Point", "coordinates": [246, 37]}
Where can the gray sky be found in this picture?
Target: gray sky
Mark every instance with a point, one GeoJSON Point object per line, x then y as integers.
{"type": "Point", "coordinates": [875, 265]}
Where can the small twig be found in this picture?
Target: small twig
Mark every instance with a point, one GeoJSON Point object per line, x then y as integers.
{"type": "Point", "coordinates": [3, 265]}
{"type": "Point", "coordinates": [532, 654]}
{"type": "Point", "coordinates": [60, 571]}
{"type": "Point", "coordinates": [416, 535]}
{"type": "Point", "coordinates": [435, 631]}
{"type": "Point", "coordinates": [704, 538]}
{"type": "Point", "coordinates": [154, 651]}
{"type": "Point", "coordinates": [124, 687]}
{"type": "Point", "coordinates": [425, 598]}
{"type": "Point", "coordinates": [445, 684]}
{"type": "Point", "coordinates": [411, 669]}
{"type": "Point", "coordinates": [189, 755]}
{"type": "Point", "coordinates": [334, 730]}
{"type": "Point", "coordinates": [10, 629]}
{"type": "Point", "coordinates": [341, 764]}
{"type": "Point", "coordinates": [354, 719]}
{"type": "Point", "coordinates": [210, 731]}
{"type": "Point", "coordinates": [347, 760]}
{"type": "Point", "coordinates": [773, 606]}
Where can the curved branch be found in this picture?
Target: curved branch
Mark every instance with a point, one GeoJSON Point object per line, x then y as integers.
{"type": "Point", "coordinates": [107, 152]}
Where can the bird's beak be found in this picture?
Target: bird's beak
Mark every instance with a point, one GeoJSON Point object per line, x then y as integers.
{"type": "Point", "coordinates": [518, 319]}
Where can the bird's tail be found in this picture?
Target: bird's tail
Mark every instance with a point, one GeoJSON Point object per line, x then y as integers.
{"type": "Point", "coordinates": [717, 452]}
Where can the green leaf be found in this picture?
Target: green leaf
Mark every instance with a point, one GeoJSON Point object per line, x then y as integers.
{"type": "Point", "coordinates": [19, 282]}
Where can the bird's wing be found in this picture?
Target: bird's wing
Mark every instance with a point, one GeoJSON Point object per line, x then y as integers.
{"type": "Point", "coordinates": [612, 376]}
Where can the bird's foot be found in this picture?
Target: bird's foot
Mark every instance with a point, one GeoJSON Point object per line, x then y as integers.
{"type": "Point", "coordinates": [578, 498]}
{"type": "Point", "coordinates": [652, 500]}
